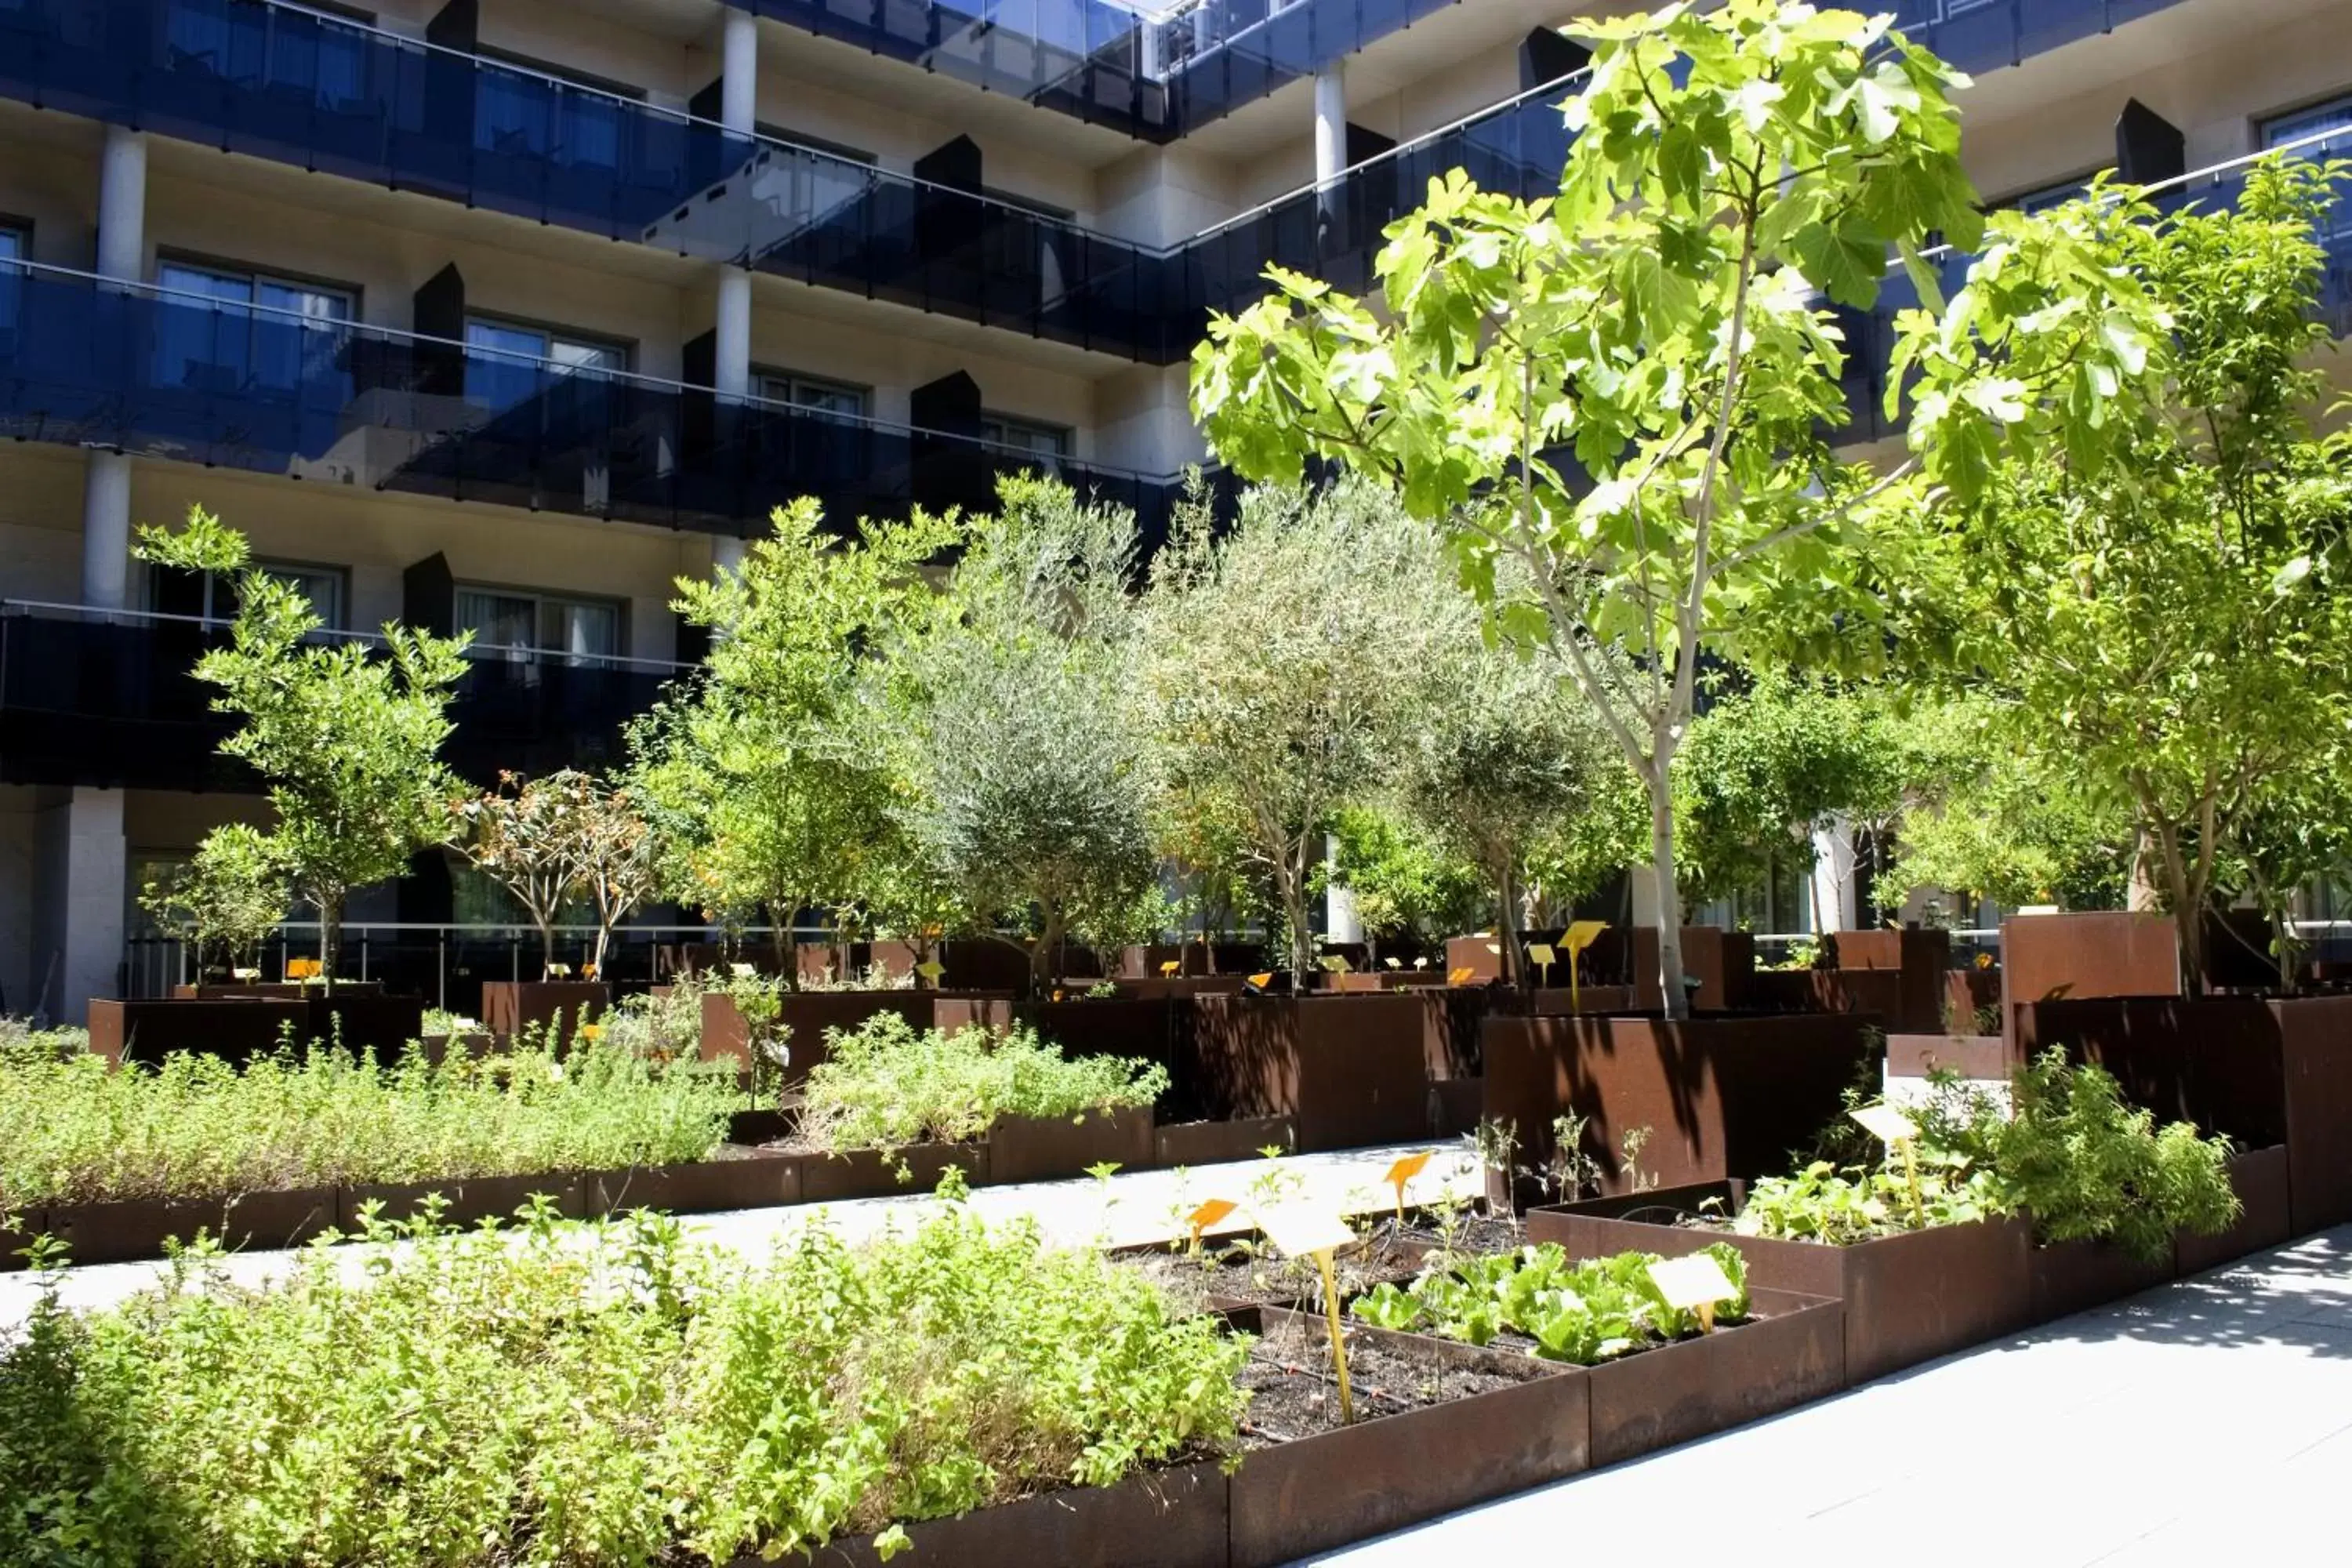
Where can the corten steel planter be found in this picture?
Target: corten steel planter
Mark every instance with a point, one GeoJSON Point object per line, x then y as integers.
{"type": "Point", "coordinates": [1721, 1096]}
{"type": "Point", "coordinates": [2261, 1179]}
{"type": "Point", "coordinates": [118, 1232]}
{"type": "Point", "coordinates": [367, 1021]}
{"type": "Point", "coordinates": [1559, 1001]}
{"type": "Point", "coordinates": [1791, 1352]}
{"type": "Point", "coordinates": [1920, 956]}
{"type": "Point", "coordinates": [1970, 1056]}
{"type": "Point", "coordinates": [468, 1200]}
{"type": "Point", "coordinates": [14, 1236]}
{"type": "Point", "coordinates": [275, 990]}
{"type": "Point", "coordinates": [1722, 961]}
{"type": "Point", "coordinates": [1909, 1298]}
{"type": "Point", "coordinates": [1219, 1142]}
{"type": "Point", "coordinates": [1381, 1474]}
{"type": "Point", "coordinates": [232, 1030]}
{"type": "Point", "coordinates": [1968, 994]}
{"type": "Point", "coordinates": [2071, 1277]}
{"type": "Point", "coordinates": [2237, 950]}
{"type": "Point", "coordinates": [1875, 993]}
{"type": "Point", "coordinates": [1181, 989]}
{"type": "Point", "coordinates": [1480, 955]}
{"type": "Point", "coordinates": [1053, 1148]}
{"type": "Point", "coordinates": [1191, 959]}
{"type": "Point", "coordinates": [1156, 1519]}
{"type": "Point", "coordinates": [1144, 1029]}
{"type": "Point", "coordinates": [1348, 1070]}
{"type": "Point", "coordinates": [702, 1186]}
{"type": "Point", "coordinates": [527, 1008]}
{"type": "Point", "coordinates": [808, 1015]}
{"type": "Point", "coordinates": [759, 1126]}
{"type": "Point", "coordinates": [2316, 1042]}
{"type": "Point", "coordinates": [470, 1045]}
{"type": "Point", "coordinates": [2075, 957]}
{"type": "Point", "coordinates": [1455, 1104]}
{"type": "Point", "coordinates": [873, 1174]}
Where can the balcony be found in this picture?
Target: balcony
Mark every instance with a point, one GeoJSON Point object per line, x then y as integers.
{"type": "Point", "coordinates": [107, 699]}
{"type": "Point", "coordinates": [146, 371]}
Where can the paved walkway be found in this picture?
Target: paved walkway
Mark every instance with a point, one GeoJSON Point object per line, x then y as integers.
{"type": "Point", "coordinates": [1130, 1209]}
{"type": "Point", "coordinates": [2205, 1422]}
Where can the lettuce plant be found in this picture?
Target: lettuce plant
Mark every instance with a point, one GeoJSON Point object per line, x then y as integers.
{"type": "Point", "coordinates": [1582, 1312]}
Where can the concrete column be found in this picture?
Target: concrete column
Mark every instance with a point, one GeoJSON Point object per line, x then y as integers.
{"type": "Point", "coordinates": [80, 868]}
{"type": "Point", "coordinates": [1836, 892]}
{"type": "Point", "coordinates": [731, 358]}
{"type": "Point", "coordinates": [121, 253]}
{"type": "Point", "coordinates": [1330, 121]}
{"type": "Point", "coordinates": [738, 111]}
{"type": "Point", "coordinates": [726, 550]}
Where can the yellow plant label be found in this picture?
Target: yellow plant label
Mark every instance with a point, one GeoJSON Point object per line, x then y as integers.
{"type": "Point", "coordinates": [1542, 953]}
{"type": "Point", "coordinates": [1406, 1169]}
{"type": "Point", "coordinates": [930, 969]}
{"type": "Point", "coordinates": [1335, 963]}
{"type": "Point", "coordinates": [1302, 1230]}
{"type": "Point", "coordinates": [1459, 976]}
{"type": "Point", "coordinates": [1694, 1282]}
{"type": "Point", "coordinates": [1207, 1215]}
{"type": "Point", "coordinates": [1885, 1124]}
{"type": "Point", "coordinates": [1168, 969]}
{"type": "Point", "coordinates": [1261, 981]}
{"type": "Point", "coordinates": [1582, 935]}
{"type": "Point", "coordinates": [1392, 964]}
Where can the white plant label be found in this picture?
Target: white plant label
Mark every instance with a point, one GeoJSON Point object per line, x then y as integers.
{"type": "Point", "coordinates": [1693, 1282]}
{"type": "Point", "coordinates": [1885, 1124]}
{"type": "Point", "coordinates": [1302, 1230]}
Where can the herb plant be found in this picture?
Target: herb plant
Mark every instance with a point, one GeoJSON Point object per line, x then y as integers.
{"type": "Point", "coordinates": [1585, 1312]}
{"type": "Point", "coordinates": [886, 1086]}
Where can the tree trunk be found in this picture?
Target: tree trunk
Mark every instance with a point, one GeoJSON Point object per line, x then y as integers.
{"type": "Point", "coordinates": [603, 939]}
{"type": "Point", "coordinates": [2188, 930]}
{"type": "Point", "coordinates": [1293, 888]}
{"type": "Point", "coordinates": [1671, 993]}
{"type": "Point", "coordinates": [546, 949]}
{"type": "Point", "coordinates": [1515, 962]}
{"type": "Point", "coordinates": [331, 938]}
{"type": "Point", "coordinates": [1045, 957]}
{"type": "Point", "coordinates": [788, 968]}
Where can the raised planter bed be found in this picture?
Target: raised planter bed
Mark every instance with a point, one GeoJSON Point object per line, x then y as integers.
{"type": "Point", "coordinates": [367, 1021]}
{"type": "Point", "coordinates": [1917, 956]}
{"type": "Point", "coordinates": [1219, 1142]}
{"type": "Point", "coordinates": [1559, 1001]}
{"type": "Point", "coordinates": [1348, 1070]}
{"type": "Point", "coordinates": [275, 990]}
{"type": "Point", "coordinates": [514, 1008]}
{"type": "Point", "coordinates": [1877, 994]}
{"type": "Point", "coordinates": [1157, 1519]}
{"type": "Point", "coordinates": [1722, 963]}
{"type": "Point", "coordinates": [1793, 1351]}
{"type": "Point", "coordinates": [14, 1237]}
{"type": "Point", "coordinates": [1224, 958]}
{"type": "Point", "coordinates": [468, 1199]}
{"type": "Point", "coordinates": [1051, 1148]}
{"type": "Point", "coordinates": [2076, 957]}
{"type": "Point", "coordinates": [232, 1029]}
{"type": "Point", "coordinates": [1454, 1106]}
{"type": "Point", "coordinates": [872, 1173]}
{"type": "Point", "coordinates": [121, 1231]}
{"type": "Point", "coordinates": [1315, 1492]}
{"type": "Point", "coordinates": [1909, 1298]}
{"type": "Point", "coordinates": [2261, 1179]}
{"type": "Point", "coordinates": [1970, 996]}
{"type": "Point", "coordinates": [1147, 1028]}
{"type": "Point", "coordinates": [809, 1014]}
{"type": "Point", "coordinates": [1721, 1096]}
{"type": "Point", "coordinates": [2071, 1277]}
{"type": "Point", "coordinates": [702, 1186]}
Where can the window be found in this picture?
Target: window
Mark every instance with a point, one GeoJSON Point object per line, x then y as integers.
{"type": "Point", "coordinates": [1045, 441]}
{"type": "Point", "coordinates": [212, 596]}
{"type": "Point", "coordinates": [508, 362]}
{"type": "Point", "coordinates": [837, 399]}
{"type": "Point", "coordinates": [15, 246]}
{"type": "Point", "coordinates": [2320, 118]}
{"type": "Point", "coordinates": [521, 625]}
{"type": "Point", "coordinates": [2042, 198]}
{"type": "Point", "coordinates": [841, 150]}
{"type": "Point", "coordinates": [209, 337]}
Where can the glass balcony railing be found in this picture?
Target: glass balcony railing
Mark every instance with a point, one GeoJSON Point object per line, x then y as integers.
{"type": "Point", "coordinates": [88, 363]}
{"type": "Point", "coordinates": [109, 699]}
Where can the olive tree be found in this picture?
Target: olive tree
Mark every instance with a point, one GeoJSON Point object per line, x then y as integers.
{"type": "Point", "coordinates": [1278, 670]}
{"type": "Point", "coordinates": [346, 738]}
{"type": "Point", "coordinates": [1023, 781]}
{"type": "Point", "coordinates": [1629, 389]}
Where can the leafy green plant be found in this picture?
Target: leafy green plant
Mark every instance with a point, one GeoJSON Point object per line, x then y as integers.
{"type": "Point", "coordinates": [1822, 1204]}
{"type": "Point", "coordinates": [606, 1394]}
{"type": "Point", "coordinates": [75, 1130]}
{"type": "Point", "coordinates": [1583, 1312]}
{"type": "Point", "coordinates": [227, 899]}
{"type": "Point", "coordinates": [887, 1085]}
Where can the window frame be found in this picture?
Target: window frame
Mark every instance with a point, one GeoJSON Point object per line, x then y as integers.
{"type": "Point", "coordinates": [539, 599]}
{"type": "Point", "coordinates": [333, 619]}
{"type": "Point", "coordinates": [554, 333]}
{"type": "Point", "coordinates": [995, 422]}
{"type": "Point", "coordinates": [767, 378]}
{"type": "Point", "coordinates": [2264, 123]}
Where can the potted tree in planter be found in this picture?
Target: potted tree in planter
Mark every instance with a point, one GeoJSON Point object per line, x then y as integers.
{"type": "Point", "coordinates": [225, 902]}
{"type": "Point", "coordinates": [533, 836]}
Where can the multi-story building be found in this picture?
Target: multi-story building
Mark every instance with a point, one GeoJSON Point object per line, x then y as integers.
{"type": "Point", "coordinates": [503, 314]}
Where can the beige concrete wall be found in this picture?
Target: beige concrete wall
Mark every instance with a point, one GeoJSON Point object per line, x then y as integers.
{"type": "Point", "coordinates": [40, 522]}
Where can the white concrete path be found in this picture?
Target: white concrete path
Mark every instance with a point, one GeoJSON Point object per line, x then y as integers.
{"type": "Point", "coordinates": [2205, 1422]}
{"type": "Point", "coordinates": [1127, 1209]}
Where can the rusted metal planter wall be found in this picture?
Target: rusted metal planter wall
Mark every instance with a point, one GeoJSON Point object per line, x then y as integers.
{"type": "Point", "coordinates": [1146, 1029]}
{"type": "Point", "coordinates": [231, 1030]}
{"type": "Point", "coordinates": [707, 1186]}
{"type": "Point", "coordinates": [467, 1200]}
{"type": "Point", "coordinates": [1920, 957]}
{"type": "Point", "coordinates": [514, 1008]}
{"type": "Point", "coordinates": [872, 1173]}
{"type": "Point", "coordinates": [1721, 961]}
{"type": "Point", "coordinates": [809, 1014]}
{"type": "Point", "coordinates": [1722, 1097]}
{"type": "Point", "coordinates": [1166, 1519]}
{"type": "Point", "coordinates": [2071, 1277]}
{"type": "Point", "coordinates": [120, 1232]}
{"type": "Point", "coordinates": [2107, 952]}
{"type": "Point", "coordinates": [1348, 1070]}
{"type": "Point", "coordinates": [1970, 1056]}
{"type": "Point", "coordinates": [1909, 1298]}
{"type": "Point", "coordinates": [1792, 1353]}
{"type": "Point", "coordinates": [1219, 1142]}
{"type": "Point", "coordinates": [1336, 1487]}
{"type": "Point", "coordinates": [2262, 1180]}
{"type": "Point", "coordinates": [1051, 1148]}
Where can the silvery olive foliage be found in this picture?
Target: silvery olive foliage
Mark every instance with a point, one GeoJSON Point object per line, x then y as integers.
{"type": "Point", "coordinates": [1281, 675]}
{"type": "Point", "coordinates": [1013, 726]}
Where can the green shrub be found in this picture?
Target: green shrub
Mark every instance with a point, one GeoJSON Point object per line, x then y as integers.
{"type": "Point", "coordinates": [73, 1129]}
{"type": "Point", "coordinates": [591, 1395]}
{"type": "Point", "coordinates": [886, 1086]}
{"type": "Point", "coordinates": [1585, 1312]}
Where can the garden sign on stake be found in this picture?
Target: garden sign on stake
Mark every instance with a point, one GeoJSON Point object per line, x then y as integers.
{"type": "Point", "coordinates": [1694, 1283]}
{"type": "Point", "coordinates": [1896, 1130]}
{"type": "Point", "coordinates": [1579, 935]}
{"type": "Point", "coordinates": [1405, 1171]}
{"type": "Point", "coordinates": [1301, 1231]}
